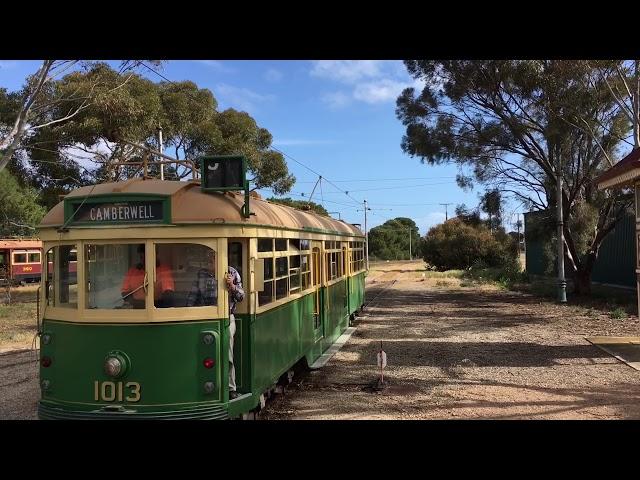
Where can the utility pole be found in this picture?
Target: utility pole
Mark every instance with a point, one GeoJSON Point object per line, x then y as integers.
{"type": "Point", "coordinates": [446, 212]}
{"type": "Point", "coordinates": [410, 244]}
{"type": "Point", "coordinates": [518, 225]}
{"type": "Point", "coordinates": [160, 150]}
{"type": "Point", "coordinates": [562, 283]}
{"type": "Point", "coordinates": [366, 235]}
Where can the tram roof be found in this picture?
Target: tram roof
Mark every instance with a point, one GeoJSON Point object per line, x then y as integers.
{"type": "Point", "coordinates": [13, 243]}
{"type": "Point", "coordinates": [189, 204]}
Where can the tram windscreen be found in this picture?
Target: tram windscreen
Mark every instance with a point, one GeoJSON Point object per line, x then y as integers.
{"type": "Point", "coordinates": [115, 276]}
{"type": "Point", "coordinates": [185, 276]}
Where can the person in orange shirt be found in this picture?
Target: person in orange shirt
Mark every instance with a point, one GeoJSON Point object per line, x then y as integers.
{"type": "Point", "coordinates": [132, 287]}
{"type": "Point", "coordinates": [164, 286]}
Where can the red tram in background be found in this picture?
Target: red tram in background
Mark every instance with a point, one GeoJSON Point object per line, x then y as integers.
{"type": "Point", "coordinates": [21, 260]}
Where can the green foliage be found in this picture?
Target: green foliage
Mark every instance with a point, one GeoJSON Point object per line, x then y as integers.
{"type": "Point", "coordinates": [470, 217]}
{"type": "Point", "coordinates": [511, 122]}
{"type": "Point", "coordinates": [126, 105]}
{"type": "Point", "coordinates": [618, 313]}
{"type": "Point", "coordinates": [390, 241]}
{"type": "Point", "coordinates": [300, 205]}
{"type": "Point", "coordinates": [456, 245]}
{"type": "Point", "coordinates": [20, 212]}
{"type": "Point", "coordinates": [491, 204]}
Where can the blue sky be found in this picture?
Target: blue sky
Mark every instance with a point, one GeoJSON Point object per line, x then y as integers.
{"type": "Point", "coordinates": [337, 118]}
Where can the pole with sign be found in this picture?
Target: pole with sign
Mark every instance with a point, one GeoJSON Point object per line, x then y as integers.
{"type": "Point", "coordinates": [382, 363]}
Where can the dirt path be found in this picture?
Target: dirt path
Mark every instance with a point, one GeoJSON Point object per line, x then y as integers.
{"type": "Point", "coordinates": [468, 353]}
{"type": "Point", "coordinates": [19, 390]}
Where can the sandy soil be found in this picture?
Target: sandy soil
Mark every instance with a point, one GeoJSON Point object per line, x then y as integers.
{"type": "Point", "coordinates": [467, 353]}
{"type": "Point", "coordinates": [453, 352]}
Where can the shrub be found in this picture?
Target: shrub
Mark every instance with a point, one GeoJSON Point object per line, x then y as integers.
{"type": "Point", "coordinates": [456, 245]}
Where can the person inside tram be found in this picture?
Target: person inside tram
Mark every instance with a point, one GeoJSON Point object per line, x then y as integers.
{"type": "Point", "coordinates": [204, 289]}
{"type": "Point", "coordinates": [133, 285]}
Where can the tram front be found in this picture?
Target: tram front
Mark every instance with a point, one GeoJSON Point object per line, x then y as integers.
{"type": "Point", "coordinates": [135, 328]}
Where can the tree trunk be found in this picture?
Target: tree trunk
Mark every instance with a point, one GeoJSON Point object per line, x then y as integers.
{"type": "Point", "coordinates": [582, 281]}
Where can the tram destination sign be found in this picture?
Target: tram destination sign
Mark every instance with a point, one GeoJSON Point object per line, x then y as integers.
{"type": "Point", "coordinates": [115, 212]}
{"type": "Point", "coordinates": [223, 172]}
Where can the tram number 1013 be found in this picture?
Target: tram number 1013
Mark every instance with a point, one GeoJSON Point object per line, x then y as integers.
{"type": "Point", "coordinates": [115, 391]}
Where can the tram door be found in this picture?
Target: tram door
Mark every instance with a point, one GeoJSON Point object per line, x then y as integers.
{"type": "Point", "coordinates": [345, 272]}
{"type": "Point", "coordinates": [237, 257]}
{"type": "Point", "coordinates": [317, 300]}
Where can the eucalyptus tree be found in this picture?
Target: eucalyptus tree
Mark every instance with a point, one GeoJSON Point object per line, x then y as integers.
{"type": "Point", "coordinates": [511, 124]}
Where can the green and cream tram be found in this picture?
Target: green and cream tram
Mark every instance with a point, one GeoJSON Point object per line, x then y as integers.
{"type": "Point", "coordinates": [102, 357]}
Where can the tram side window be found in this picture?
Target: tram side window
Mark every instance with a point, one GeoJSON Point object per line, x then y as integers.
{"type": "Point", "coordinates": [294, 273]}
{"type": "Point", "coordinates": [185, 276]}
{"type": "Point", "coordinates": [115, 276]}
{"type": "Point", "coordinates": [334, 265]}
{"type": "Point", "coordinates": [19, 258]}
{"type": "Point", "coordinates": [305, 271]}
{"type": "Point", "coordinates": [266, 295]}
{"type": "Point", "coordinates": [282, 277]}
{"type": "Point", "coordinates": [34, 257]}
{"type": "Point", "coordinates": [62, 283]}
{"type": "Point", "coordinates": [357, 256]}
{"type": "Point", "coordinates": [265, 245]}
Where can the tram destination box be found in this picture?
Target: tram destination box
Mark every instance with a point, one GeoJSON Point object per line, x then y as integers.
{"type": "Point", "coordinates": [117, 209]}
{"type": "Point", "coordinates": [223, 172]}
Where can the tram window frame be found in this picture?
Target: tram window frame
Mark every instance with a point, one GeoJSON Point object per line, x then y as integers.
{"type": "Point", "coordinates": [357, 256]}
{"type": "Point", "coordinates": [98, 256]}
{"type": "Point", "coordinates": [294, 273]}
{"type": "Point", "coordinates": [182, 277]}
{"type": "Point", "coordinates": [263, 243]}
{"type": "Point", "coordinates": [55, 296]}
{"type": "Point", "coordinates": [22, 255]}
{"type": "Point", "coordinates": [31, 259]}
{"type": "Point", "coordinates": [280, 285]}
{"type": "Point", "coordinates": [333, 261]}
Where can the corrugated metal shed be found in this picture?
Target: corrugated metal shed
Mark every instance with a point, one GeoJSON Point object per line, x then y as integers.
{"type": "Point", "coordinates": [616, 259]}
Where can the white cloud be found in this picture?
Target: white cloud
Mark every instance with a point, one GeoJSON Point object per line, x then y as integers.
{"type": "Point", "coordinates": [370, 81]}
{"type": "Point", "coordinates": [273, 75]}
{"type": "Point", "coordinates": [347, 71]}
{"type": "Point", "coordinates": [241, 98]}
{"type": "Point", "coordinates": [6, 64]}
{"type": "Point", "coordinates": [217, 65]}
{"type": "Point", "coordinates": [379, 91]}
{"type": "Point", "coordinates": [336, 100]}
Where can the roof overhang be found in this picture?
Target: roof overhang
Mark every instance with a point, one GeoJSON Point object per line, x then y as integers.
{"type": "Point", "coordinates": [622, 174]}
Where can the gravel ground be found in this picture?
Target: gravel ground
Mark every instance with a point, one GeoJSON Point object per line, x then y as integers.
{"type": "Point", "coordinates": [452, 352]}
{"type": "Point", "coordinates": [19, 391]}
{"type": "Point", "coordinates": [468, 353]}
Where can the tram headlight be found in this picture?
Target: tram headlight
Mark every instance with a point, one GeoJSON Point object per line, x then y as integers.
{"type": "Point", "coordinates": [46, 338]}
{"type": "Point", "coordinates": [113, 366]}
{"type": "Point", "coordinates": [116, 364]}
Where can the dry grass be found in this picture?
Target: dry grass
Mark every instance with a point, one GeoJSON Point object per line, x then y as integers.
{"type": "Point", "coordinates": [18, 319]}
